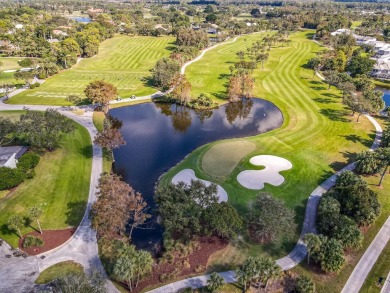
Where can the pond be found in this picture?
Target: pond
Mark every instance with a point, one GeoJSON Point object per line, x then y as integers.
{"type": "Point", "coordinates": [82, 19]}
{"type": "Point", "coordinates": [386, 95]}
{"type": "Point", "coordinates": [158, 136]}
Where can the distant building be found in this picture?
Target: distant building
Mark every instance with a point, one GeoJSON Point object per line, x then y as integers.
{"type": "Point", "coordinates": [381, 69]}
{"type": "Point", "coordinates": [51, 41]}
{"type": "Point", "coordinates": [19, 26]}
{"type": "Point", "coordinates": [363, 40]}
{"type": "Point", "coordinates": [59, 33]}
{"type": "Point", "coordinates": [341, 31]}
{"type": "Point", "coordinates": [9, 155]}
{"type": "Point", "coordinates": [94, 11]}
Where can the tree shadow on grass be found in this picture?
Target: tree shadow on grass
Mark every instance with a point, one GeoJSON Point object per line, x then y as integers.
{"type": "Point", "coordinates": [224, 76]}
{"type": "Point", "coordinates": [309, 36]}
{"type": "Point", "coordinates": [318, 88]}
{"type": "Point", "coordinates": [357, 139]}
{"type": "Point", "coordinates": [86, 151]}
{"type": "Point", "coordinates": [323, 100]}
{"type": "Point", "coordinates": [148, 81]}
{"type": "Point", "coordinates": [334, 115]}
{"type": "Point", "coordinates": [220, 95]}
{"type": "Point", "coordinates": [325, 176]}
{"type": "Point", "coordinates": [330, 95]}
{"type": "Point", "coordinates": [75, 212]}
{"type": "Point", "coordinates": [337, 166]}
{"type": "Point", "coordinates": [315, 82]}
{"type": "Point", "coordinates": [5, 231]}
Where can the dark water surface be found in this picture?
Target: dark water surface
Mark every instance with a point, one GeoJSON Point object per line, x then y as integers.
{"type": "Point", "coordinates": [158, 136]}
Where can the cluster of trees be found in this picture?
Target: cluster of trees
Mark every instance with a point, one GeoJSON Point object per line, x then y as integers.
{"type": "Point", "coordinates": [328, 252]}
{"type": "Point", "coordinates": [192, 210]}
{"type": "Point", "coordinates": [37, 129]}
{"type": "Point", "coordinates": [117, 207]}
{"type": "Point", "coordinates": [92, 281]}
{"type": "Point", "coordinates": [346, 207]}
{"type": "Point", "coordinates": [359, 93]}
{"type": "Point", "coordinates": [269, 220]}
{"type": "Point", "coordinates": [241, 82]}
{"type": "Point", "coordinates": [17, 222]}
{"type": "Point", "coordinates": [34, 39]}
{"type": "Point", "coordinates": [123, 262]}
{"type": "Point", "coordinates": [101, 93]}
{"type": "Point", "coordinates": [258, 270]}
{"type": "Point", "coordinates": [378, 161]}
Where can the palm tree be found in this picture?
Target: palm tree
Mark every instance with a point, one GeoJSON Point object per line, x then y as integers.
{"type": "Point", "coordinates": [144, 263]}
{"type": "Point", "coordinates": [124, 269]}
{"type": "Point", "coordinates": [215, 282]}
{"type": "Point", "coordinates": [16, 223]}
{"type": "Point", "coordinates": [384, 158]}
{"type": "Point", "coordinates": [271, 271]}
{"type": "Point", "coordinates": [34, 213]}
{"type": "Point", "coordinates": [313, 244]}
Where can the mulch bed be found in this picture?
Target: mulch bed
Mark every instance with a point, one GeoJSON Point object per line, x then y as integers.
{"type": "Point", "coordinates": [197, 259]}
{"type": "Point", "coordinates": [51, 238]}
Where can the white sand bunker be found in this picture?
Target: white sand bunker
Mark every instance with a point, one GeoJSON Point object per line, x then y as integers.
{"type": "Point", "coordinates": [255, 179]}
{"type": "Point", "coordinates": [187, 175]}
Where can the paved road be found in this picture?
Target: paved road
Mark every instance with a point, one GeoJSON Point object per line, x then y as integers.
{"type": "Point", "coordinates": [365, 264]}
{"type": "Point", "coordinates": [18, 274]}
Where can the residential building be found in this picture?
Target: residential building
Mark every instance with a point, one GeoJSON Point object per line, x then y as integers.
{"type": "Point", "coordinates": [9, 155]}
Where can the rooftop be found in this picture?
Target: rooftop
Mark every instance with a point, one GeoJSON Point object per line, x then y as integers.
{"type": "Point", "coordinates": [8, 152]}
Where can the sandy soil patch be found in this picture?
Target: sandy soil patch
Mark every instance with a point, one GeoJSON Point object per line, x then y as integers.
{"type": "Point", "coordinates": [255, 179]}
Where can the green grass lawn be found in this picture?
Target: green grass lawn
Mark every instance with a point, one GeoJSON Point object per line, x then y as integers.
{"type": "Point", "coordinates": [60, 186]}
{"type": "Point", "coordinates": [124, 61]}
{"type": "Point", "coordinates": [318, 135]}
{"type": "Point", "coordinates": [58, 270]}
{"type": "Point", "coordinates": [380, 269]}
{"type": "Point", "coordinates": [9, 63]}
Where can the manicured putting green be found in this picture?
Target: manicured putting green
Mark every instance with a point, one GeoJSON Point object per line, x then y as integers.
{"type": "Point", "coordinates": [123, 61]}
{"type": "Point", "coordinates": [221, 159]}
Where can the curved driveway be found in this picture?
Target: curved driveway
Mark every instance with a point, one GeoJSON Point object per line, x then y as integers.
{"type": "Point", "coordinates": [18, 274]}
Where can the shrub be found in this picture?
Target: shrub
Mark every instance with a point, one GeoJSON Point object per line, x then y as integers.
{"type": "Point", "coordinates": [28, 161]}
{"type": "Point", "coordinates": [305, 285]}
{"type": "Point", "coordinates": [200, 269]}
{"type": "Point", "coordinates": [26, 62]}
{"type": "Point", "coordinates": [10, 177]}
{"type": "Point", "coordinates": [32, 241]}
{"type": "Point", "coordinates": [42, 75]}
